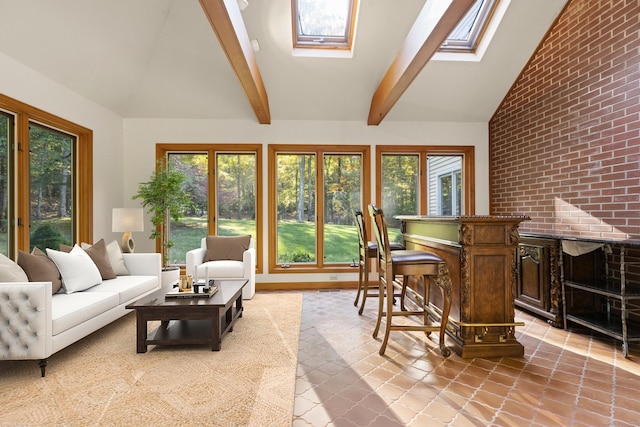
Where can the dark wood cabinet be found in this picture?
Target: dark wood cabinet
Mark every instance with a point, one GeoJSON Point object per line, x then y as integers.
{"type": "Point", "coordinates": [594, 284]}
{"type": "Point", "coordinates": [538, 286]}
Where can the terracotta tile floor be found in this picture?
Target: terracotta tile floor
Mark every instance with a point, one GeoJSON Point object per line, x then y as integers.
{"type": "Point", "coordinates": [565, 378]}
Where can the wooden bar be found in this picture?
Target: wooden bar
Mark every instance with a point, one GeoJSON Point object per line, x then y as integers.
{"type": "Point", "coordinates": [480, 252]}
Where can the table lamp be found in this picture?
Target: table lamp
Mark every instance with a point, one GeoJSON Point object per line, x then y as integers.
{"type": "Point", "coordinates": [127, 220]}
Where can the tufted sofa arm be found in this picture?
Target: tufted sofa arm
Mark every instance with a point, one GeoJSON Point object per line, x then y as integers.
{"type": "Point", "coordinates": [25, 320]}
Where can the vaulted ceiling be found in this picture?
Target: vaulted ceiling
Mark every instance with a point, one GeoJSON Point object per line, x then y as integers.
{"type": "Point", "coordinates": [162, 59]}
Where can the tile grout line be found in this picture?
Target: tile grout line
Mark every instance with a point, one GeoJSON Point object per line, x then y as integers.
{"type": "Point", "coordinates": [553, 370]}
{"type": "Point", "coordinates": [614, 387]}
{"type": "Point", "coordinates": [517, 379]}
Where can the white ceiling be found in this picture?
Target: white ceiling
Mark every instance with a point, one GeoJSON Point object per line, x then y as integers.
{"type": "Point", "coordinates": [161, 59]}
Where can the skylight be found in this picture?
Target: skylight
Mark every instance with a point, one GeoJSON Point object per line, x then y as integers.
{"type": "Point", "coordinates": [326, 24]}
{"type": "Point", "coordinates": [467, 34]}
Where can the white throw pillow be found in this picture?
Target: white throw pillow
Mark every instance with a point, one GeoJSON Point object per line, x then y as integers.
{"type": "Point", "coordinates": [77, 269]}
{"type": "Point", "coordinates": [116, 259]}
{"type": "Point", "coordinates": [10, 271]}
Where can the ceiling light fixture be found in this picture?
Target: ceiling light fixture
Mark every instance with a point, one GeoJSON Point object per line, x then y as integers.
{"type": "Point", "coordinates": [255, 45]}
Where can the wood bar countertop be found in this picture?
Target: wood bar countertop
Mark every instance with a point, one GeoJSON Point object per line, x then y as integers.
{"type": "Point", "coordinates": [480, 251]}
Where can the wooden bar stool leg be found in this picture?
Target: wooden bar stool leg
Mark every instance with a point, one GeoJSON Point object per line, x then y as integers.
{"type": "Point", "coordinates": [426, 282]}
{"type": "Point", "coordinates": [381, 301]}
{"type": "Point", "coordinates": [360, 281]}
{"type": "Point", "coordinates": [403, 292]}
{"type": "Point", "coordinates": [365, 286]}
{"type": "Point", "coordinates": [389, 313]}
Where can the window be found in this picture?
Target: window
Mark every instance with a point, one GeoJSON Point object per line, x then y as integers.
{"type": "Point", "coordinates": [342, 175]}
{"type": "Point", "coordinates": [424, 181]}
{"type": "Point", "coordinates": [445, 185]}
{"type": "Point", "coordinates": [52, 178]}
{"type": "Point", "coordinates": [400, 177]}
{"type": "Point", "coordinates": [323, 24]}
{"type": "Point", "coordinates": [224, 183]}
{"type": "Point", "coordinates": [468, 33]}
{"type": "Point", "coordinates": [186, 233]}
{"type": "Point", "coordinates": [312, 193]}
{"type": "Point", "coordinates": [296, 206]}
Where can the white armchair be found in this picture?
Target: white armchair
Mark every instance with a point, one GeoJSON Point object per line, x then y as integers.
{"type": "Point", "coordinates": [224, 268]}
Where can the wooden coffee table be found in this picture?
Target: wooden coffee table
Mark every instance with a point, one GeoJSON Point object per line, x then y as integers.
{"type": "Point", "coordinates": [189, 320]}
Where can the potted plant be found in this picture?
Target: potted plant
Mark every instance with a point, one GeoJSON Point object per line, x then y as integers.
{"type": "Point", "coordinates": [164, 197]}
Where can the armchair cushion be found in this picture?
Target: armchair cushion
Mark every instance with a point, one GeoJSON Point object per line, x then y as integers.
{"type": "Point", "coordinates": [226, 247]}
{"type": "Point", "coordinates": [221, 269]}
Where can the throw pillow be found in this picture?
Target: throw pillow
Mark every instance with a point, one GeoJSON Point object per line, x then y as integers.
{"type": "Point", "coordinates": [226, 247]}
{"type": "Point", "coordinates": [77, 269]}
{"type": "Point", "coordinates": [99, 255]}
{"type": "Point", "coordinates": [116, 259]}
{"type": "Point", "coordinates": [39, 268]}
{"type": "Point", "coordinates": [10, 271]}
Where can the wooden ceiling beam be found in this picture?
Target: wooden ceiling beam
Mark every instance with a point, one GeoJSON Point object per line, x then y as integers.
{"type": "Point", "coordinates": [226, 20]}
{"type": "Point", "coordinates": [432, 26]}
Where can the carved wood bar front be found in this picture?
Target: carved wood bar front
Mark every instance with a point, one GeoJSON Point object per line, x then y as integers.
{"type": "Point", "coordinates": [480, 252]}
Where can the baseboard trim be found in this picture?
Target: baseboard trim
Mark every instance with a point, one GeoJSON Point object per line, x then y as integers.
{"type": "Point", "coordinates": [289, 286]}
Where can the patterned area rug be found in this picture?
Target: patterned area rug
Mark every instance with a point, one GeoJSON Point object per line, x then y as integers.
{"type": "Point", "coordinates": [102, 381]}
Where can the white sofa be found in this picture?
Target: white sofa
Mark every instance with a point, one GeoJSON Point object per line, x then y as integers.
{"type": "Point", "coordinates": [34, 324]}
{"type": "Point", "coordinates": [225, 268]}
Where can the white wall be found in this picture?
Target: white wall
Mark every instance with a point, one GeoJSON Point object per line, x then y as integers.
{"type": "Point", "coordinates": [141, 135]}
{"type": "Point", "coordinates": [124, 149]}
{"type": "Point", "coordinates": [26, 85]}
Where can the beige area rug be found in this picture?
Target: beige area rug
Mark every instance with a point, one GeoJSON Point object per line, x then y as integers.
{"type": "Point", "coordinates": [102, 381]}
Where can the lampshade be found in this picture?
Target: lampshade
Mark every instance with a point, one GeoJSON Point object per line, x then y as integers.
{"type": "Point", "coordinates": [127, 219]}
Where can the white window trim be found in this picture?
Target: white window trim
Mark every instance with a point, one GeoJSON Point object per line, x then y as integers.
{"type": "Point", "coordinates": [450, 171]}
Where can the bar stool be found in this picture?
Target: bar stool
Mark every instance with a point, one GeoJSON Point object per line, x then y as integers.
{"type": "Point", "coordinates": [408, 263]}
{"type": "Point", "coordinates": [366, 251]}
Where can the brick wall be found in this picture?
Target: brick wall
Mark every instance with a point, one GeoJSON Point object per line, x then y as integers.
{"type": "Point", "coordinates": [565, 142]}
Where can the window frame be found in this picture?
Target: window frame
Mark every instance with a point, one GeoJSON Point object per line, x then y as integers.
{"type": "Point", "coordinates": [301, 41]}
{"type": "Point", "coordinates": [477, 31]}
{"type": "Point", "coordinates": [468, 172]}
{"type": "Point", "coordinates": [19, 177]}
{"type": "Point", "coordinates": [454, 181]}
{"type": "Point", "coordinates": [11, 168]}
{"type": "Point", "coordinates": [164, 149]}
{"type": "Point", "coordinates": [319, 266]}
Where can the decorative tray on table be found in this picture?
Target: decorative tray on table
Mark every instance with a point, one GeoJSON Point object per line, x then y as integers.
{"type": "Point", "coordinates": [197, 291]}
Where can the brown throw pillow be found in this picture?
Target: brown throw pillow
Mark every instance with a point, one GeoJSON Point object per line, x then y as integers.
{"type": "Point", "coordinates": [98, 253]}
{"type": "Point", "coordinates": [39, 268]}
{"type": "Point", "coordinates": [226, 247]}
